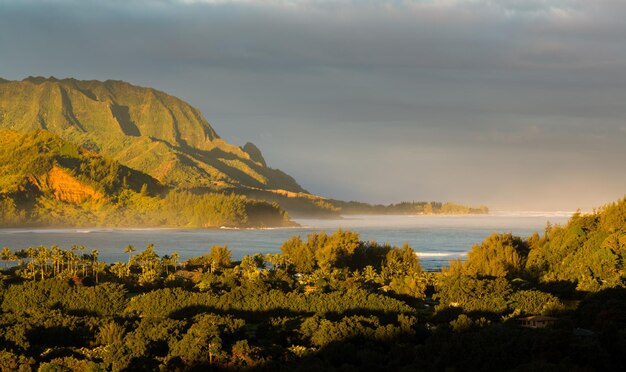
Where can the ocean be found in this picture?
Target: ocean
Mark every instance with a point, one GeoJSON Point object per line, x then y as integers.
{"type": "Point", "coordinates": [436, 239]}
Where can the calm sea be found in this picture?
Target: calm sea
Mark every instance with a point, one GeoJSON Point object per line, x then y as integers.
{"type": "Point", "coordinates": [437, 239]}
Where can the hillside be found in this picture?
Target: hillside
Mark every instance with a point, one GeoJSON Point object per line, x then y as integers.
{"type": "Point", "coordinates": [142, 128]}
{"type": "Point", "coordinates": [47, 181]}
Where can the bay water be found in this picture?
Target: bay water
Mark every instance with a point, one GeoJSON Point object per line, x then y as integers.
{"type": "Point", "coordinates": [436, 239]}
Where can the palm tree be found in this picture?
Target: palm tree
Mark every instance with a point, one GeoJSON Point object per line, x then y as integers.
{"type": "Point", "coordinates": [57, 259]}
{"type": "Point", "coordinates": [6, 255]}
{"type": "Point", "coordinates": [148, 260]}
{"type": "Point", "coordinates": [166, 261]}
{"type": "Point", "coordinates": [72, 262]}
{"type": "Point", "coordinates": [98, 267]}
{"type": "Point", "coordinates": [129, 249]}
{"type": "Point", "coordinates": [83, 259]}
{"type": "Point", "coordinates": [20, 256]}
{"type": "Point", "coordinates": [94, 259]}
{"type": "Point", "coordinates": [72, 258]}
{"type": "Point", "coordinates": [42, 258]}
{"type": "Point", "coordinates": [175, 258]}
{"type": "Point", "coordinates": [31, 253]}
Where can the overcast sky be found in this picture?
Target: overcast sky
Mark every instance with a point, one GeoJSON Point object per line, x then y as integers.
{"type": "Point", "coordinates": [516, 104]}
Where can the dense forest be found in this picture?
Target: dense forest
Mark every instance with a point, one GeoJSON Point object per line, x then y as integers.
{"type": "Point", "coordinates": [407, 208]}
{"type": "Point", "coordinates": [555, 300]}
{"type": "Point", "coordinates": [46, 181]}
{"type": "Point", "coordinates": [308, 206]}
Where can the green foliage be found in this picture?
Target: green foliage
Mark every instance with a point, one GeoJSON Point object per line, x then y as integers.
{"type": "Point", "coordinates": [534, 302]}
{"type": "Point", "coordinates": [473, 294]}
{"type": "Point", "coordinates": [337, 249]}
{"type": "Point", "coordinates": [107, 299]}
{"type": "Point", "coordinates": [10, 361]}
{"type": "Point", "coordinates": [173, 302]}
{"type": "Point", "coordinates": [464, 323]}
{"type": "Point", "coordinates": [10, 214]}
{"type": "Point", "coordinates": [219, 257]}
{"type": "Point", "coordinates": [71, 364]}
{"type": "Point", "coordinates": [300, 254]}
{"type": "Point", "coordinates": [499, 255]}
{"type": "Point", "coordinates": [401, 262]}
{"type": "Point", "coordinates": [110, 333]}
{"type": "Point", "coordinates": [589, 251]}
{"type": "Point", "coordinates": [407, 208]}
{"type": "Point", "coordinates": [363, 307]}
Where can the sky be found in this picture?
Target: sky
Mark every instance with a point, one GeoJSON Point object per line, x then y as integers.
{"type": "Point", "coordinates": [515, 104]}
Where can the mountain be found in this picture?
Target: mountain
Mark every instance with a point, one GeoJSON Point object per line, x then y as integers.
{"type": "Point", "coordinates": [142, 128]}
{"type": "Point", "coordinates": [161, 137]}
{"type": "Point", "coordinates": [47, 181]}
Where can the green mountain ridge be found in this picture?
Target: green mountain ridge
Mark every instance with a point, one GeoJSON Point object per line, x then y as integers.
{"type": "Point", "coordinates": [142, 128]}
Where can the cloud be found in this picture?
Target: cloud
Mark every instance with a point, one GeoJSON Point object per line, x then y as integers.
{"type": "Point", "coordinates": [442, 96]}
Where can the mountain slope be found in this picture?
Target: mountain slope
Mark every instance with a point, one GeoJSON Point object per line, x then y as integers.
{"type": "Point", "coordinates": [40, 162]}
{"type": "Point", "coordinates": [142, 128]}
{"type": "Point", "coordinates": [47, 181]}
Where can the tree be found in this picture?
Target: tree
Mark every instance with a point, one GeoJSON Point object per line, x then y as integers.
{"type": "Point", "coordinates": [94, 261]}
{"type": "Point", "coordinates": [98, 267]}
{"type": "Point", "coordinates": [120, 269]}
{"type": "Point", "coordinates": [41, 258]}
{"type": "Point", "coordinates": [200, 344]}
{"type": "Point", "coordinates": [337, 249]}
{"type": "Point", "coordinates": [31, 253]}
{"type": "Point", "coordinates": [129, 249]}
{"type": "Point", "coordinates": [6, 255]}
{"type": "Point", "coordinates": [219, 257]}
{"type": "Point", "coordinates": [401, 261]}
{"type": "Point", "coordinates": [57, 259]}
{"type": "Point", "coordinates": [301, 255]}
{"type": "Point", "coordinates": [94, 255]}
{"type": "Point", "coordinates": [498, 255]}
{"type": "Point", "coordinates": [149, 263]}
{"type": "Point", "coordinates": [175, 257]}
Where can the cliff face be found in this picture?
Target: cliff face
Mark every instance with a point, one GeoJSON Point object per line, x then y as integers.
{"type": "Point", "coordinates": [68, 189]}
{"type": "Point", "coordinates": [143, 128]}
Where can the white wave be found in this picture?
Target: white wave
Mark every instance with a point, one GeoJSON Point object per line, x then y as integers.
{"type": "Point", "coordinates": [441, 254]}
{"type": "Point", "coordinates": [531, 213]}
{"type": "Point", "coordinates": [47, 231]}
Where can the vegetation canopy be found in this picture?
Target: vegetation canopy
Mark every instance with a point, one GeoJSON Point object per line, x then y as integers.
{"type": "Point", "coordinates": [330, 301]}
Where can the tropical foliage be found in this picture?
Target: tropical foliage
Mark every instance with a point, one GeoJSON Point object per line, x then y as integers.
{"type": "Point", "coordinates": [407, 208]}
{"type": "Point", "coordinates": [330, 301]}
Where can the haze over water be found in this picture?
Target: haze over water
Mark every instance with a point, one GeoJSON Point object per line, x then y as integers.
{"type": "Point", "coordinates": [437, 239]}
